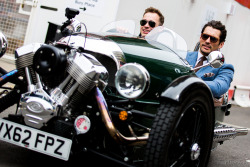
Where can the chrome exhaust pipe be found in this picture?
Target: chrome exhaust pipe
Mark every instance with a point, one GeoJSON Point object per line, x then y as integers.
{"type": "Point", "coordinates": [224, 132]}
{"type": "Point", "coordinates": [115, 134]}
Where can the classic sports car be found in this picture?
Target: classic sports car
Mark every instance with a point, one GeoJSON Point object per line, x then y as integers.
{"type": "Point", "coordinates": [135, 101]}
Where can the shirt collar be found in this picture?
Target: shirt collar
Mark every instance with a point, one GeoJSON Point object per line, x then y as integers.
{"type": "Point", "coordinates": [199, 57]}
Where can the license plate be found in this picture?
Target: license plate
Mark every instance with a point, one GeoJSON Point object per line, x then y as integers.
{"type": "Point", "coordinates": [34, 139]}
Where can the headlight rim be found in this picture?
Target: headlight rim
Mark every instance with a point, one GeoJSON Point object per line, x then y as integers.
{"type": "Point", "coordinates": [146, 78]}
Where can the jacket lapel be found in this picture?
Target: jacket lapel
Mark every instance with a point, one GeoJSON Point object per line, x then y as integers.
{"type": "Point", "coordinates": [191, 58]}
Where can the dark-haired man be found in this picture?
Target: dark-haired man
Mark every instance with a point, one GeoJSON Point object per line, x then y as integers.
{"type": "Point", "coordinates": [152, 18]}
{"type": "Point", "coordinates": [213, 36]}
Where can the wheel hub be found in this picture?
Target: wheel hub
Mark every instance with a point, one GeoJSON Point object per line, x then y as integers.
{"type": "Point", "coordinates": [195, 151]}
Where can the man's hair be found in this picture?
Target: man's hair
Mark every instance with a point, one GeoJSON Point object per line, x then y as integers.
{"type": "Point", "coordinates": [157, 11]}
{"type": "Point", "coordinates": [219, 26]}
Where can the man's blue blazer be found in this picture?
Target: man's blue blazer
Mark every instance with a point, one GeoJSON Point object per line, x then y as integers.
{"type": "Point", "coordinates": [223, 76]}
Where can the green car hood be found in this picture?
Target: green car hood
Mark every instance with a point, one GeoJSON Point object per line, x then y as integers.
{"type": "Point", "coordinates": [162, 63]}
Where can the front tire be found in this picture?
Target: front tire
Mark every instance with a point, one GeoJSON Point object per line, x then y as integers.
{"type": "Point", "coordinates": [182, 134]}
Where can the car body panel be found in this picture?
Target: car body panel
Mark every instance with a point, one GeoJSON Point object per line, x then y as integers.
{"type": "Point", "coordinates": [163, 65]}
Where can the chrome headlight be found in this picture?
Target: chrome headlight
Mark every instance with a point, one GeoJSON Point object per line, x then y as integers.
{"type": "Point", "coordinates": [132, 80]}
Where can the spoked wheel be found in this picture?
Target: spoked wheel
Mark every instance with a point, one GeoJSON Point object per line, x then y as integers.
{"type": "Point", "coordinates": [182, 134]}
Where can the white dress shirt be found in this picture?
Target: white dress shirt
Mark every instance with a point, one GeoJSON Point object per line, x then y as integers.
{"type": "Point", "coordinates": [199, 57]}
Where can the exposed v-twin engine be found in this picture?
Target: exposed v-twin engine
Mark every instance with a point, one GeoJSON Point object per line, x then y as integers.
{"type": "Point", "coordinates": [53, 76]}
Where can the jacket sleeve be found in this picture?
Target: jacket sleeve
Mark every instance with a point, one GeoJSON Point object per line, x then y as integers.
{"type": "Point", "coordinates": [222, 81]}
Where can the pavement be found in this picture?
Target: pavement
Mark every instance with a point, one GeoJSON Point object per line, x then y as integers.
{"type": "Point", "coordinates": [235, 152]}
{"type": "Point", "coordinates": [7, 62]}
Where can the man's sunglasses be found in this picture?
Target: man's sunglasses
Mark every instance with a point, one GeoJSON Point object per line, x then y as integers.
{"type": "Point", "coordinates": [150, 23]}
{"type": "Point", "coordinates": [212, 39]}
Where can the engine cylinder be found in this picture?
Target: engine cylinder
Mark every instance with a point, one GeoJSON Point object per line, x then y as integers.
{"type": "Point", "coordinates": [49, 60]}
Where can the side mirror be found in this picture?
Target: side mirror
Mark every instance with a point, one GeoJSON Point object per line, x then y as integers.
{"type": "Point", "coordinates": [215, 59]}
{"type": "Point", "coordinates": [3, 44]}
